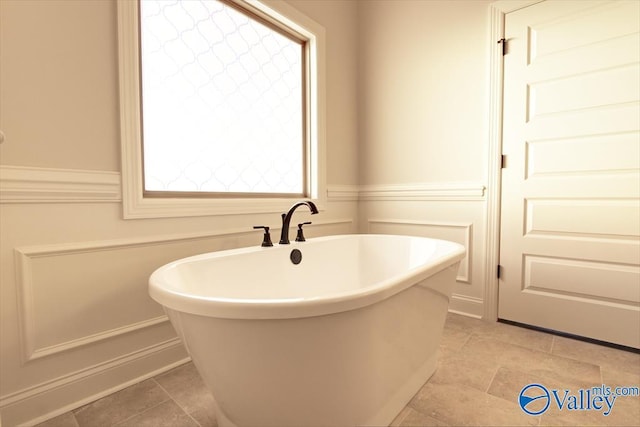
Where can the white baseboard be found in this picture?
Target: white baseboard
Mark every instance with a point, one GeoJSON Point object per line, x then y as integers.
{"type": "Point", "coordinates": [468, 306]}
{"type": "Point", "coordinates": [39, 403]}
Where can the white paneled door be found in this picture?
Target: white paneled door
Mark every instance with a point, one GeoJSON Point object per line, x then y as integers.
{"type": "Point", "coordinates": [570, 217]}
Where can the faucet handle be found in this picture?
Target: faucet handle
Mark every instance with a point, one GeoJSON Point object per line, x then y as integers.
{"type": "Point", "coordinates": [266, 241]}
{"type": "Point", "coordinates": [300, 235]}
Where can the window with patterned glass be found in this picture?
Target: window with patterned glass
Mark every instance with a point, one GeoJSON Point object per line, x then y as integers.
{"type": "Point", "coordinates": [223, 102]}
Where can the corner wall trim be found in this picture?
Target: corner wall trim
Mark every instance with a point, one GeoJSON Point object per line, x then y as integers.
{"type": "Point", "coordinates": [22, 184]}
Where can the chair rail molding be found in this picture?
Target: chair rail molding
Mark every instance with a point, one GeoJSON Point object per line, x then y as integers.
{"type": "Point", "coordinates": [343, 193]}
{"type": "Point", "coordinates": [451, 191]}
{"type": "Point", "coordinates": [26, 184]}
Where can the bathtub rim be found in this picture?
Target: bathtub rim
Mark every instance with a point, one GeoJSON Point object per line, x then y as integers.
{"type": "Point", "coordinates": [299, 307]}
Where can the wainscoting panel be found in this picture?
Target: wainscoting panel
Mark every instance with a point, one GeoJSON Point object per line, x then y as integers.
{"type": "Point", "coordinates": [77, 294]}
{"type": "Point", "coordinates": [455, 232]}
{"type": "Point", "coordinates": [80, 293]}
{"type": "Point", "coordinates": [452, 211]}
{"type": "Point", "coordinates": [76, 298]}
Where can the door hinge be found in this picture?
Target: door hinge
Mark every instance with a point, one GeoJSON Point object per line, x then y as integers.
{"type": "Point", "coordinates": [503, 161]}
{"type": "Point", "coordinates": [504, 45]}
{"type": "Point", "coordinates": [499, 271]}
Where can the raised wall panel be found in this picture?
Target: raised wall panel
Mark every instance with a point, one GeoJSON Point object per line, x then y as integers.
{"type": "Point", "coordinates": [595, 121]}
{"type": "Point", "coordinates": [613, 153]}
{"type": "Point", "coordinates": [623, 50]}
{"type": "Point", "coordinates": [595, 89]}
{"type": "Point", "coordinates": [582, 29]}
{"type": "Point", "coordinates": [566, 43]}
{"type": "Point", "coordinates": [604, 218]}
{"type": "Point", "coordinates": [579, 278]}
{"type": "Point", "coordinates": [76, 294]}
{"type": "Point", "coordinates": [455, 232]}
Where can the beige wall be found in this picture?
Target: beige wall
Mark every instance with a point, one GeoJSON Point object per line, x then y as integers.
{"type": "Point", "coordinates": [423, 132]}
{"type": "Point", "coordinates": [60, 84]}
{"type": "Point", "coordinates": [339, 18]}
{"type": "Point", "coordinates": [423, 90]}
{"type": "Point", "coordinates": [76, 321]}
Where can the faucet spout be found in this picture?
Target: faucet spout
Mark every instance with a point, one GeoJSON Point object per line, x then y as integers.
{"type": "Point", "coordinates": [286, 219]}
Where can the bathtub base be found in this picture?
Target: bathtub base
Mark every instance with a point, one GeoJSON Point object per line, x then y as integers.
{"type": "Point", "coordinates": [403, 396]}
{"type": "Point", "coordinates": [389, 411]}
{"type": "Point", "coordinates": [358, 367]}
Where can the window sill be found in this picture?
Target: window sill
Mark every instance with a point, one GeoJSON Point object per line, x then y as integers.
{"type": "Point", "coordinates": [168, 208]}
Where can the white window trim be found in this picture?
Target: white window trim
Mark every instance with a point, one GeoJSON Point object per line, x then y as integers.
{"type": "Point", "coordinates": [133, 202]}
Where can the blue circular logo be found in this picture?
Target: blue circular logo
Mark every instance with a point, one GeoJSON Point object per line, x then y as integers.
{"type": "Point", "coordinates": [534, 399]}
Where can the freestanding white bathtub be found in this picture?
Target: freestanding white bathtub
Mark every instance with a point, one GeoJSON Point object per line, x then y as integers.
{"type": "Point", "coordinates": [344, 338]}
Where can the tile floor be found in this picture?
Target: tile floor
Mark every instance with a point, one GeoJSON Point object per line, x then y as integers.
{"type": "Point", "coordinates": [483, 366]}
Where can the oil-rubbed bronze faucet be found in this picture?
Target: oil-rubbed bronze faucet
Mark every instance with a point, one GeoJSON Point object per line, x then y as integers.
{"type": "Point", "coordinates": [286, 219]}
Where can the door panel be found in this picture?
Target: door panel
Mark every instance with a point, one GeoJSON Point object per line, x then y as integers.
{"type": "Point", "coordinates": [570, 217]}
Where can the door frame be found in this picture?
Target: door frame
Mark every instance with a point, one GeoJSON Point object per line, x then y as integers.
{"type": "Point", "coordinates": [497, 12]}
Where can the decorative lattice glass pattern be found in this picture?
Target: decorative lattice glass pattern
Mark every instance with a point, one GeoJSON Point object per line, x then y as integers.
{"type": "Point", "coordinates": [222, 101]}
